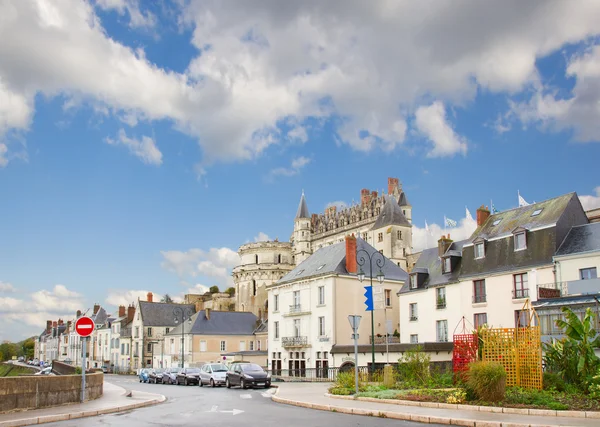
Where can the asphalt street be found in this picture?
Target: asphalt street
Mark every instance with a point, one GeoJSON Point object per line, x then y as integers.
{"type": "Point", "coordinates": [193, 406]}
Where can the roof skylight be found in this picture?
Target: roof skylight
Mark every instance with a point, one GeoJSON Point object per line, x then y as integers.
{"type": "Point", "coordinates": [300, 272]}
{"type": "Point", "coordinates": [536, 212]}
{"type": "Point", "coordinates": [497, 221]}
{"type": "Point", "coordinates": [321, 266]}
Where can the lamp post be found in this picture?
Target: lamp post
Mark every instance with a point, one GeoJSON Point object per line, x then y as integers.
{"type": "Point", "coordinates": [379, 262]}
{"type": "Point", "coordinates": [179, 311]}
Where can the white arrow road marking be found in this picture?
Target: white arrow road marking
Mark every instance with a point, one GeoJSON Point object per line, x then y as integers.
{"type": "Point", "coordinates": [213, 409]}
{"type": "Point", "coordinates": [265, 394]}
{"type": "Point", "coordinates": [234, 412]}
{"type": "Point", "coordinates": [246, 396]}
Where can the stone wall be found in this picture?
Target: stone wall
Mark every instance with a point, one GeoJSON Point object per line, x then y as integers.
{"type": "Point", "coordinates": [42, 391]}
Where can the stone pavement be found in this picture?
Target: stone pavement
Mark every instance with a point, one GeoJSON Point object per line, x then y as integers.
{"type": "Point", "coordinates": [113, 400]}
{"type": "Point", "coordinates": [313, 395]}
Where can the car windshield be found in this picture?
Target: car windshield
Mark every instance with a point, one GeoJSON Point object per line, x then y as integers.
{"type": "Point", "coordinates": [193, 370]}
{"type": "Point", "coordinates": [251, 367]}
{"type": "Point", "coordinates": [174, 370]}
{"type": "Point", "coordinates": [219, 368]}
{"type": "Point", "coordinates": [159, 370]}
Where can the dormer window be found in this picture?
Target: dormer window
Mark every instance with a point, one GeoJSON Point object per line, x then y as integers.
{"type": "Point", "coordinates": [479, 250]}
{"type": "Point", "coordinates": [413, 281]}
{"type": "Point", "coordinates": [520, 241]}
{"type": "Point", "coordinates": [447, 265]}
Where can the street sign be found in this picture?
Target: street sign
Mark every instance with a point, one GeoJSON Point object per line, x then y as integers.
{"type": "Point", "coordinates": [354, 322]}
{"type": "Point", "coordinates": [84, 326]}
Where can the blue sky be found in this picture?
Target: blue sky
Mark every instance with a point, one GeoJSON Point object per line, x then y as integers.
{"type": "Point", "coordinates": [140, 147]}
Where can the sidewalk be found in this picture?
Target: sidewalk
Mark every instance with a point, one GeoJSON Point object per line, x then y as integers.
{"type": "Point", "coordinates": [311, 395]}
{"type": "Point", "coordinates": [113, 400]}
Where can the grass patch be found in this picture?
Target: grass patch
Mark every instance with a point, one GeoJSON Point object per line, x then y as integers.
{"type": "Point", "coordinates": [9, 370]}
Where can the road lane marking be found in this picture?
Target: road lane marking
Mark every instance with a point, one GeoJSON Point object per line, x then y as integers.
{"type": "Point", "coordinates": [246, 396]}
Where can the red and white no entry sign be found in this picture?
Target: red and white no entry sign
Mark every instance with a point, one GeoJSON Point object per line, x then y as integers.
{"type": "Point", "coordinates": [84, 326]}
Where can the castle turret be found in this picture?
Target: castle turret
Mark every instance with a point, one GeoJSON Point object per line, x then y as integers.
{"type": "Point", "coordinates": [302, 248]}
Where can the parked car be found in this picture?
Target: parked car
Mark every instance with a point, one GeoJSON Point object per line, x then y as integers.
{"type": "Point", "coordinates": [105, 369]}
{"type": "Point", "coordinates": [247, 375]}
{"type": "Point", "coordinates": [170, 375]}
{"type": "Point", "coordinates": [213, 374]}
{"type": "Point", "coordinates": [21, 359]}
{"type": "Point", "coordinates": [156, 376]}
{"type": "Point", "coordinates": [45, 371]}
{"type": "Point", "coordinates": [144, 375]}
{"type": "Point", "coordinates": [188, 376]}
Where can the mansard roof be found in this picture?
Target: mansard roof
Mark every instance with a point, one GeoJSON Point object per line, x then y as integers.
{"type": "Point", "coordinates": [161, 313]}
{"type": "Point", "coordinates": [302, 208]}
{"type": "Point", "coordinates": [391, 214]}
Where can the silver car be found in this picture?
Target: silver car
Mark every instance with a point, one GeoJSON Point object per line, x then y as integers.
{"type": "Point", "coordinates": [213, 374]}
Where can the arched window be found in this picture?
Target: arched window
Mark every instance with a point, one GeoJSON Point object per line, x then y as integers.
{"type": "Point", "coordinates": [253, 287]}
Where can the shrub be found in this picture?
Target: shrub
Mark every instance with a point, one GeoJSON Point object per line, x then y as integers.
{"type": "Point", "coordinates": [346, 380]}
{"type": "Point", "coordinates": [414, 366]}
{"type": "Point", "coordinates": [487, 380]}
{"type": "Point", "coordinates": [77, 370]}
{"type": "Point", "coordinates": [340, 391]}
{"type": "Point", "coordinates": [457, 396]}
{"type": "Point", "coordinates": [553, 381]}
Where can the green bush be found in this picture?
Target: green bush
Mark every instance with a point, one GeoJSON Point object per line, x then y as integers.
{"type": "Point", "coordinates": [487, 380]}
{"type": "Point", "coordinates": [553, 381]}
{"type": "Point", "coordinates": [540, 398]}
{"type": "Point", "coordinates": [413, 366]}
{"type": "Point", "coordinates": [340, 391]}
{"type": "Point", "coordinates": [77, 370]}
{"type": "Point", "coordinates": [346, 380]}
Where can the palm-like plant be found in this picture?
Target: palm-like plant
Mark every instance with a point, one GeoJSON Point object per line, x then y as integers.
{"type": "Point", "coordinates": [167, 298]}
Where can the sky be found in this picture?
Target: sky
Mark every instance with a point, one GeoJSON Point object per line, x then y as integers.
{"type": "Point", "coordinates": [141, 143]}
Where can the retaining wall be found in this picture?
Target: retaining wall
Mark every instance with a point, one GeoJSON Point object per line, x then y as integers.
{"type": "Point", "coordinates": [42, 391]}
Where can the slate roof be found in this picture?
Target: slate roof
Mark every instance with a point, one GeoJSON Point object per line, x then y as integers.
{"type": "Point", "coordinates": [429, 262]}
{"type": "Point", "coordinates": [100, 317]}
{"type": "Point", "coordinates": [220, 323]}
{"type": "Point", "coordinates": [332, 260]}
{"type": "Point", "coordinates": [551, 211]}
{"type": "Point", "coordinates": [302, 208]}
{"type": "Point", "coordinates": [582, 238]}
{"type": "Point", "coordinates": [161, 313]}
{"type": "Point", "coordinates": [263, 328]}
{"type": "Point", "coordinates": [565, 301]}
{"type": "Point", "coordinates": [391, 214]}
{"type": "Point", "coordinates": [402, 200]}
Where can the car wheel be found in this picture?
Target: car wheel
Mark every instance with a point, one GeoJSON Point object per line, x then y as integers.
{"type": "Point", "coordinates": [227, 383]}
{"type": "Point", "coordinates": [267, 385]}
{"type": "Point", "coordinates": [200, 382]}
{"type": "Point", "coordinates": [243, 384]}
{"type": "Point", "coordinates": [185, 382]}
{"type": "Point", "coordinates": [212, 383]}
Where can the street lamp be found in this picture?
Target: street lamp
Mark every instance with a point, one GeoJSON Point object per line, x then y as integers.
{"type": "Point", "coordinates": [183, 313]}
{"type": "Point", "coordinates": [379, 261]}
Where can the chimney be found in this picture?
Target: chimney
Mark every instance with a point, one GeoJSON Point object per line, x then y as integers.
{"type": "Point", "coordinates": [60, 322]}
{"type": "Point", "coordinates": [96, 308]}
{"type": "Point", "coordinates": [149, 297]}
{"type": "Point", "coordinates": [374, 195]}
{"type": "Point", "coordinates": [54, 324]}
{"type": "Point", "coordinates": [121, 311]}
{"type": "Point", "coordinates": [48, 325]}
{"type": "Point", "coordinates": [392, 185]}
{"type": "Point", "coordinates": [199, 305]}
{"type": "Point", "coordinates": [207, 313]}
{"type": "Point", "coordinates": [130, 313]}
{"type": "Point", "coordinates": [351, 254]}
{"type": "Point", "coordinates": [78, 314]}
{"type": "Point", "coordinates": [443, 245]}
{"type": "Point", "coordinates": [365, 196]}
{"type": "Point", "coordinates": [483, 213]}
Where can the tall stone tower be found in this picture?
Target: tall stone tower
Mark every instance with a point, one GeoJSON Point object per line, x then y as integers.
{"type": "Point", "coordinates": [301, 245]}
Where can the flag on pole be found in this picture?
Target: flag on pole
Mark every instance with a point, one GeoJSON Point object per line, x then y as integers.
{"type": "Point", "coordinates": [469, 216]}
{"type": "Point", "coordinates": [522, 201]}
{"type": "Point", "coordinates": [493, 208]}
{"type": "Point", "coordinates": [426, 227]}
{"type": "Point", "coordinates": [449, 222]}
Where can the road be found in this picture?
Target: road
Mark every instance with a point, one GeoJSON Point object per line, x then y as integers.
{"type": "Point", "coordinates": [220, 407]}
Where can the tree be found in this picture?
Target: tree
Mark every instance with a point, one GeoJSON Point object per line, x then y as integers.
{"type": "Point", "coordinates": [8, 350]}
{"type": "Point", "coordinates": [214, 289]}
{"type": "Point", "coordinates": [230, 291]}
{"type": "Point", "coordinates": [167, 298]}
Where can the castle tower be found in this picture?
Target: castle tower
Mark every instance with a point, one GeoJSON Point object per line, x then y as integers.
{"type": "Point", "coordinates": [395, 190]}
{"type": "Point", "coordinates": [302, 248]}
{"type": "Point", "coordinates": [392, 233]}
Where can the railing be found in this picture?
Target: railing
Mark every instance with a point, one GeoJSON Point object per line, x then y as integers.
{"type": "Point", "coordinates": [320, 374]}
{"type": "Point", "coordinates": [441, 303]}
{"type": "Point", "coordinates": [479, 298]}
{"type": "Point", "coordinates": [414, 318]}
{"type": "Point", "coordinates": [297, 308]}
{"type": "Point", "coordinates": [551, 290]}
{"type": "Point", "coordinates": [294, 341]}
{"type": "Point", "coordinates": [520, 293]}
{"type": "Point", "coordinates": [381, 340]}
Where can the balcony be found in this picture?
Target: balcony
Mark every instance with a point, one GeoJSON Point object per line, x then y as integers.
{"type": "Point", "coordinates": [381, 340]}
{"type": "Point", "coordinates": [477, 299]}
{"type": "Point", "coordinates": [297, 310]}
{"type": "Point", "coordinates": [289, 342]}
{"type": "Point", "coordinates": [520, 293]}
{"type": "Point", "coordinates": [572, 287]}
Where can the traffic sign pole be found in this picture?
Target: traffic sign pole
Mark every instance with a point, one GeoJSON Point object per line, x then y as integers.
{"type": "Point", "coordinates": [83, 349]}
{"type": "Point", "coordinates": [84, 326]}
{"type": "Point", "coordinates": [354, 323]}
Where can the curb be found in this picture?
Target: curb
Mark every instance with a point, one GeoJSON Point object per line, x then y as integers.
{"type": "Point", "coordinates": [84, 414]}
{"type": "Point", "coordinates": [495, 409]}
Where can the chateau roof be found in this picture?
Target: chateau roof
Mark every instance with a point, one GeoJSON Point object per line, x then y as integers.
{"type": "Point", "coordinates": [302, 208]}
{"type": "Point", "coordinates": [161, 313]}
{"type": "Point", "coordinates": [220, 323]}
{"type": "Point", "coordinates": [402, 200]}
{"type": "Point", "coordinates": [582, 238]}
{"type": "Point", "coordinates": [332, 260]}
{"type": "Point", "coordinates": [391, 214]}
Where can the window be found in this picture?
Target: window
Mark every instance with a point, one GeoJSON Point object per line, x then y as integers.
{"type": "Point", "coordinates": [414, 339]}
{"type": "Point", "coordinates": [255, 259]}
{"type": "Point", "coordinates": [413, 281]}
{"type": "Point", "coordinates": [440, 298]}
{"type": "Point", "coordinates": [479, 291]}
{"type": "Point", "coordinates": [296, 327]}
{"type": "Point", "coordinates": [520, 241]}
{"type": "Point", "coordinates": [137, 332]}
{"type": "Point", "coordinates": [521, 318]}
{"type": "Point", "coordinates": [479, 319]}
{"type": "Point", "coordinates": [149, 347]}
{"type": "Point", "coordinates": [242, 345]}
{"type": "Point", "coordinates": [537, 212]}
{"type": "Point", "coordinates": [322, 326]}
{"type": "Point", "coordinates": [253, 287]}
{"type": "Point", "coordinates": [296, 298]}
{"type": "Point", "coordinates": [588, 273]}
{"type": "Point", "coordinates": [497, 221]}
{"type": "Point", "coordinates": [167, 330]}
{"type": "Point", "coordinates": [321, 295]}
{"type": "Point", "coordinates": [388, 297]}
{"type": "Point", "coordinates": [276, 330]}
{"type": "Point", "coordinates": [257, 345]}
{"type": "Point", "coordinates": [412, 309]}
{"type": "Point", "coordinates": [149, 332]}
{"type": "Point", "coordinates": [399, 234]}
{"type": "Point", "coordinates": [202, 345]}
{"type": "Point", "coordinates": [275, 303]}
{"type": "Point", "coordinates": [251, 345]}
{"type": "Point", "coordinates": [520, 289]}
{"type": "Point", "coordinates": [403, 251]}
{"type": "Point", "coordinates": [447, 265]}
{"type": "Point", "coordinates": [380, 237]}
{"type": "Point", "coordinates": [442, 330]}
{"type": "Point", "coordinates": [223, 346]}
{"type": "Point", "coordinates": [479, 250]}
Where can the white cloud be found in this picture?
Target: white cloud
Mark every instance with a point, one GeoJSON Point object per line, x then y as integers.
{"type": "Point", "coordinates": [137, 18]}
{"type": "Point", "coordinates": [117, 297]}
{"type": "Point", "coordinates": [296, 166]}
{"type": "Point", "coordinates": [262, 237]}
{"type": "Point", "coordinates": [198, 289]}
{"type": "Point", "coordinates": [431, 122]}
{"type": "Point", "coordinates": [422, 239]}
{"type": "Point", "coordinates": [145, 149]}
{"type": "Point", "coordinates": [6, 287]}
{"type": "Point", "coordinates": [591, 201]}
{"type": "Point", "coordinates": [3, 159]}
{"type": "Point", "coordinates": [216, 263]}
